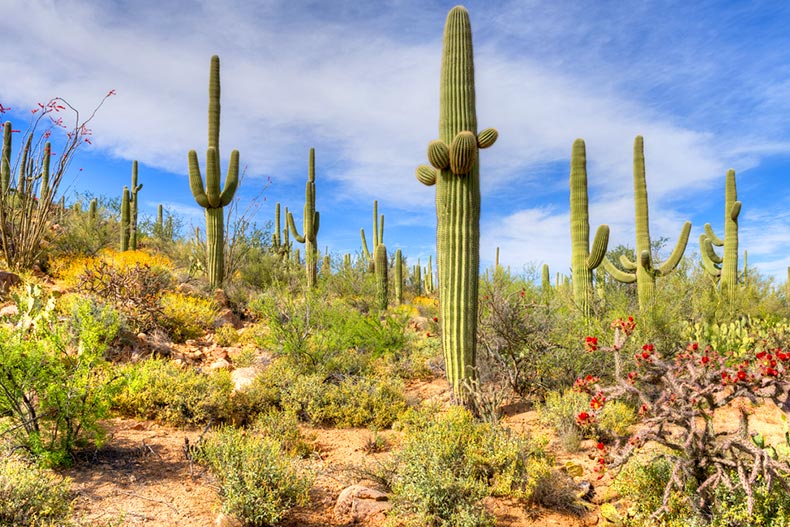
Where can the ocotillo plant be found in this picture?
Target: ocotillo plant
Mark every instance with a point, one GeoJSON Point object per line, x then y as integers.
{"type": "Point", "coordinates": [310, 222]}
{"type": "Point", "coordinates": [644, 270]}
{"type": "Point", "coordinates": [133, 208]}
{"type": "Point", "coordinates": [456, 174]}
{"type": "Point", "coordinates": [210, 197]}
{"type": "Point", "coordinates": [398, 270]}
{"type": "Point", "coordinates": [378, 237]}
{"type": "Point", "coordinates": [5, 160]}
{"type": "Point", "coordinates": [583, 259]}
{"type": "Point", "coordinates": [382, 281]}
{"type": "Point", "coordinates": [125, 219]}
{"type": "Point", "coordinates": [725, 266]}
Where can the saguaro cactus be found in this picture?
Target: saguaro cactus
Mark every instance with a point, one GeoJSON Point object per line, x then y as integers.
{"type": "Point", "coordinates": [398, 270]}
{"type": "Point", "coordinates": [93, 210]}
{"type": "Point", "coordinates": [310, 222]}
{"type": "Point", "coordinates": [644, 270]}
{"type": "Point", "coordinates": [125, 219]}
{"type": "Point", "coordinates": [583, 260]}
{"type": "Point", "coordinates": [133, 208]}
{"type": "Point", "coordinates": [382, 280]}
{"type": "Point", "coordinates": [211, 198]}
{"type": "Point", "coordinates": [725, 266]}
{"type": "Point", "coordinates": [378, 237]}
{"type": "Point", "coordinates": [456, 174]}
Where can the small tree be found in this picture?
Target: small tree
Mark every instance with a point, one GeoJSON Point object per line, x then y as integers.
{"type": "Point", "coordinates": [29, 186]}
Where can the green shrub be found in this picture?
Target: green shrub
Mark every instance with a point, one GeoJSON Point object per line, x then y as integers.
{"type": "Point", "coordinates": [186, 317]}
{"type": "Point", "coordinates": [161, 390]}
{"type": "Point", "coordinates": [448, 463]}
{"type": "Point", "coordinates": [31, 496]}
{"type": "Point", "coordinates": [226, 335]}
{"type": "Point", "coordinates": [259, 482]}
{"type": "Point", "coordinates": [54, 383]}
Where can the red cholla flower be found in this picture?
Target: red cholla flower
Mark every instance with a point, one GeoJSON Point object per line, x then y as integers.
{"type": "Point", "coordinates": [590, 344]}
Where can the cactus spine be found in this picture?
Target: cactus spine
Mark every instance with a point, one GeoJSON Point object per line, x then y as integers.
{"type": "Point", "coordinates": [455, 172]}
{"type": "Point", "coordinates": [310, 222]}
{"type": "Point", "coordinates": [725, 266]}
{"type": "Point", "coordinates": [210, 197]}
{"type": "Point", "coordinates": [584, 260]}
{"type": "Point", "coordinates": [644, 270]}
{"type": "Point", "coordinates": [125, 219]}
{"type": "Point", "coordinates": [382, 286]}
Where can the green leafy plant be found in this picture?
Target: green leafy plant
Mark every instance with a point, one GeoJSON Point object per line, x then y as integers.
{"type": "Point", "coordinates": [186, 316]}
{"type": "Point", "coordinates": [31, 496]}
{"type": "Point", "coordinates": [259, 482]}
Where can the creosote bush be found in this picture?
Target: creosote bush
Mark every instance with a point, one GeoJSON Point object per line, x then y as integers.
{"type": "Point", "coordinates": [186, 316]}
{"type": "Point", "coordinates": [448, 463]}
{"type": "Point", "coordinates": [259, 481]}
{"type": "Point", "coordinates": [31, 496]}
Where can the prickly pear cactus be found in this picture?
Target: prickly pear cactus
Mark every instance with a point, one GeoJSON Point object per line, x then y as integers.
{"type": "Point", "coordinates": [455, 172]}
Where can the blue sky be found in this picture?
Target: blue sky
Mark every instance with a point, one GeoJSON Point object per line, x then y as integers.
{"type": "Point", "coordinates": [706, 83]}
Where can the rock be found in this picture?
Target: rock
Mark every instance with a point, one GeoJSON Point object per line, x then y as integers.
{"type": "Point", "coordinates": [243, 377]}
{"type": "Point", "coordinates": [359, 504]}
{"type": "Point", "coordinates": [224, 520]}
{"type": "Point", "coordinates": [227, 316]}
{"type": "Point", "coordinates": [8, 280]}
{"type": "Point", "coordinates": [221, 298]}
{"type": "Point", "coordinates": [220, 364]}
{"type": "Point", "coordinates": [9, 311]}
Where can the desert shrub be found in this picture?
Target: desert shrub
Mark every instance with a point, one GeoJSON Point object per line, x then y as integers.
{"type": "Point", "coordinates": [259, 482]}
{"type": "Point", "coordinates": [31, 496]}
{"type": "Point", "coordinates": [54, 382]}
{"type": "Point", "coordinates": [161, 390]}
{"type": "Point", "coordinates": [226, 335]}
{"type": "Point", "coordinates": [284, 427]}
{"type": "Point", "coordinates": [559, 411]}
{"type": "Point", "coordinates": [134, 288]}
{"type": "Point", "coordinates": [448, 463]}
{"type": "Point", "coordinates": [186, 316]}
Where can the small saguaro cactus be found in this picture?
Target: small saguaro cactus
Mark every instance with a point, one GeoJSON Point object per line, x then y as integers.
{"type": "Point", "coordinates": [417, 277]}
{"type": "Point", "coordinates": [347, 262]}
{"type": "Point", "coordinates": [382, 280]}
{"type": "Point", "coordinates": [133, 208]}
{"type": "Point", "coordinates": [326, 263]}
{"type": "Point", "coordinates": [160, 225]}
{"type": "Point", "coordinates": [725, 266]}
{"type": "Point", "coordinates": [456, 173]}
{"type": "Point", "coordinates": [276, 235]}
{"type": "Point", "coordinates": [93, 210]}
{"type": "Point", "coordinates": [210, 197]}
{"type": "Point", "coordinates": [378, 237]}
{"type": "Point", "coordinates": [310, 222]}
{"type": "Point", "coordinates": [584, 259]}
{"type": "Point", "coordinates": [125, 219]}
{"type": "Point", "coordinates": [398, 271]}
{"type": "Point", "coordinates": [546, 291]}
{"type": "Point", "coordinates": [644, 270]}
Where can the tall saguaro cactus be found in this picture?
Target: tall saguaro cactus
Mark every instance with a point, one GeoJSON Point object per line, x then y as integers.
{"type": "Point", "coordinates": [378, 237]}
{"type": "Point", "coordinates": [382, 279]}
{"type": "Point", "coordinates": [210, 197]}
{"type": "Point", "coordinates": [583, 260]}
{"type": "Point", "coordinates": [125, 220]}
{"type": "Point", "coordinates": [310, 222]}
{"type": "Point", "coordinates": [456, 174]}
{"type": "Point", "coordinates": [644, 270]}
{"type": "Point", "coordinates": [725, 266]}
{"type": "Point", "coordinates": [133, 208]}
